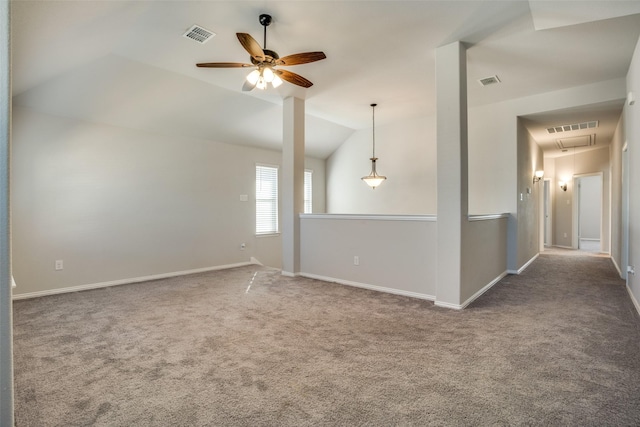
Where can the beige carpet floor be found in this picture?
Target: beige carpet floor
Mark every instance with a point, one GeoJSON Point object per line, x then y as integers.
{"type": "Point", "coordinates": [558, 345]}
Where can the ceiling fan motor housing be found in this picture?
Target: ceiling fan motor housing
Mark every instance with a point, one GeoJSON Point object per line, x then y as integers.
{"type": "Point", "coordinates": [270, 57]}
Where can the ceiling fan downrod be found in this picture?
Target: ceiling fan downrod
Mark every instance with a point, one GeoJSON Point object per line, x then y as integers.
{"type": "Point", "coordinates": [265, 21]}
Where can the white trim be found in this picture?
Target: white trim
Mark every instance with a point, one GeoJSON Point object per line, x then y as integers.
{"type": "Point", "coordinates": [268, 165]}
{"type": "Point", "coordinates": [483, 290]}
{"type": "Point", "coordinates": [448, 305]}
{"type": "Point", "coordinates": [429, 218]}
{"type": "Point", "coordinates": [473, 297]}
{"type": "Point", "coordinates": [524, 267]}
{"type": "Point", "coordinates": [126, 281]}
{"type": "Point", "coordinates": [615, 264]}
{"type": "Point", "coordinates": [487, 217]}
{"type": "Point", "coordinates": [289, 274]}
{"type": "Point", "coordinates": [633, 299]}
{"type": "Point", "coordinates": [261, 235]}
{"type": "Point", "coordinates": [370, 287]}
{"type": "Point", "coordinates": [563, 247]}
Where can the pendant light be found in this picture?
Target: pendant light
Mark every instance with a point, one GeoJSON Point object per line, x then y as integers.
{"type": "Point", "coordinates": [373, 179]}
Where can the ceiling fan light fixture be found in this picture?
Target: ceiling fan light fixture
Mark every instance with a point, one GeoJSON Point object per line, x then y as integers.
{"type": "Point", "coordinates": [262, 84]}
{"type": "Point", "coordinates": [277, 81]}
{"type": "Point", "coordinates": [268, 74]}
{"type": "Point", "coordinates": [253, 77]}
{"type": "Point", "coordinates": [266, 60]}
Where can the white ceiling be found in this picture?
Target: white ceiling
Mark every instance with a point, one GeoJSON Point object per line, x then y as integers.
{"type": "Point", "coordinates": [125, 63]}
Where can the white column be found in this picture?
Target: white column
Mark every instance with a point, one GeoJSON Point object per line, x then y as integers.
{"type": "Point", "coordinates": [6, 325]}
{"type": "Point", "coordinates": [292, 183]}
{"type": "Point", "coordinates": [453, 186]}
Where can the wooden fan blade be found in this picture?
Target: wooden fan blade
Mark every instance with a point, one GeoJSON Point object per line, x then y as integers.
{"type": "Point", "coordinates": [251, 45]}
{"type": "Point", "coordinates": [223, 65]}
{"type": "Point", "coordinates": [301, 58]}
{"type": "Point", "coordinates": [294, 78]}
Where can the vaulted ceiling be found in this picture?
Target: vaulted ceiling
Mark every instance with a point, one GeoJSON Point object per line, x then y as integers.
{"type": "Point", "coordinates": [126, 63]}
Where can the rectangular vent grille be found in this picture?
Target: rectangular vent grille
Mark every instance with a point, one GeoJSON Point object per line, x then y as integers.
{"type": "Point", "coordinates": [199, 34]}
{"type": "Point", "coordinates": [489, 81]}
{"type": "Point", "coordinates": [569, 128]}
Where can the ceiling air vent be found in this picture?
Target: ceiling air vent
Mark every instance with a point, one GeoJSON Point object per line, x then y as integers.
{"type": "Point", "coordinates": [489, 81]}
{"type": "Point", "coordinates": [199, 34]}
{"type": "Point", "coordinates": [577, 126]}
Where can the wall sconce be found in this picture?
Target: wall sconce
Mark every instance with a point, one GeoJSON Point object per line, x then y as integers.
{"type": "Point", "coordinates": [538, 176]}
{"type": "Point", "coordinates": [563, 185]}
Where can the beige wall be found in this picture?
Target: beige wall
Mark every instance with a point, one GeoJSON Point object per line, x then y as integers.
{"type": "Point", "coordinates": [632, 137]}
{"type": "Point", "coordinates": [117, 204]}
{"type": "Point", "coordinates": [396, 255]}
{"type": "Point", "coordinates": [615, 156]}
{"type": "Point", "coordinates": [529, 198]}
{"type": "Point", "coordinates": [484, 256]}
{"type": "Point", "coordinates": [407, 157]}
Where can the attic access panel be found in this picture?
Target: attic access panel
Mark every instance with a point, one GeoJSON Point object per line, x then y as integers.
{"type": "Point", "coordinates": [576, 141]}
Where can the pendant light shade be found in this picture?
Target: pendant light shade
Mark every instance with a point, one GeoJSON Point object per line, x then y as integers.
{"type": "Point", "coordinates": [373, 179]}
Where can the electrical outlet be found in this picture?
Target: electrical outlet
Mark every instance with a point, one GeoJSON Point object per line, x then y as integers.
{"type": "Point", "coordinates": [59, 264]}
{"type": "Point", "coordinates": [356, 260]}
{"type": "Point", "coordinates": [565, 234]}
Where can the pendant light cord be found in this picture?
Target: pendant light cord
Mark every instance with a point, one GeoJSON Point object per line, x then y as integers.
{"type": "Point", "coordinates": [373, 114]}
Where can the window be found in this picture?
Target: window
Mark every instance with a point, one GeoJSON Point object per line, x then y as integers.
{"type": "Point", "coordinates": [266, 199]}
{"type": "Point", "coordinates": [308, 193]}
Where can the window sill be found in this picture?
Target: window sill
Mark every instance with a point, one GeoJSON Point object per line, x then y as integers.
{"type": "Point", "coordinates": [268, 234]}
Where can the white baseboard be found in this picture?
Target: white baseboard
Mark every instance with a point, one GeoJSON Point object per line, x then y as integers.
{"type": "Point", "coordinates": [487, 287]}
{"type": "Point", "coordinates": [289, 274]}
{"type": "Point", "coordinates": [615, 264]}
{"type": "Point", "coordinates": [473, 297]}
{"type": "Point", "coordinates": [370, 287]}
{"type": "Point", "coordinates": [633, 299]}
{"type": "Point", "coordinates": [524, 267]}
{"type": "Point", "coordinates": [448, 305]}
{"type": "Point", "coordinates": [127, 281]}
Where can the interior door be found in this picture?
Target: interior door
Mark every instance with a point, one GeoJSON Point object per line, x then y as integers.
{"type": "Point", "coordinates": [590, 213]}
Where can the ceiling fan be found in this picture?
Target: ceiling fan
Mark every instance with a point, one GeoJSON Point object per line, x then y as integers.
{"type": "Point", "coordinates": [266, 60]}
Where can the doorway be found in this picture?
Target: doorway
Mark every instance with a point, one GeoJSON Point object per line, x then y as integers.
{"type": "Point", "coordinates": [588, 215]}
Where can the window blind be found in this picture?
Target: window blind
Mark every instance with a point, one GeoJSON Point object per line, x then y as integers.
{"type": "Point", "coordinates": [308, 191]}
{"type": "Point", "coordinates": [266, 199]}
